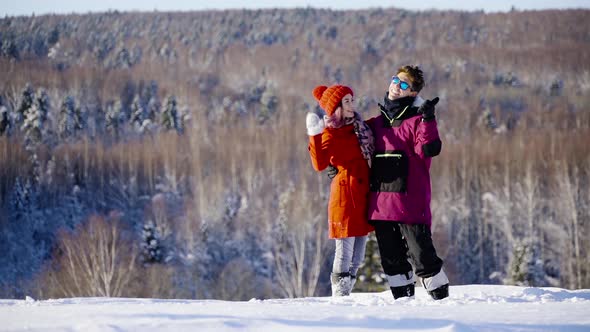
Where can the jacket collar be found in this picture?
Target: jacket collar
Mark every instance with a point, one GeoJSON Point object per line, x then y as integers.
{"type": "Point", "coordinates": [397, 110]}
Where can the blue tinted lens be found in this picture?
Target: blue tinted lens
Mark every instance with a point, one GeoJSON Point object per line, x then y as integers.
{"type": "Point", "coordinates": [403, 85]}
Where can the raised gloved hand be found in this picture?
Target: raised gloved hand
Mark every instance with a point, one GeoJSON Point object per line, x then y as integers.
{"type": "Point", "coordinates": [427, 109]}
{"type": "Point", "coordinates": [315, 125]}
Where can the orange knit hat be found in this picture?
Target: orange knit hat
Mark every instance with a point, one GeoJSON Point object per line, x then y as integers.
{"type": "Point", "coordinates": [329, 98]}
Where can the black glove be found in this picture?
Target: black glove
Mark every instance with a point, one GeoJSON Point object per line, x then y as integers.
{"type": "Point", "coordinates": [427, 109]}
{"type": "Point", "coordinates": [332, 171]}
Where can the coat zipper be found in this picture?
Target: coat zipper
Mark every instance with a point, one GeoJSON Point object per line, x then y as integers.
{"type": "Point", "coordinates": [396, 118]}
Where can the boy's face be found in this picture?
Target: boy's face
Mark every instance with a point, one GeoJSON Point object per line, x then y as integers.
{"type": "Point", "coordinates": [395, 87]}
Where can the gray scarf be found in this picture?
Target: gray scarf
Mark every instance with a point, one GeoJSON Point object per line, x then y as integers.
{"type": "Point", "coordinates": [365, 137]}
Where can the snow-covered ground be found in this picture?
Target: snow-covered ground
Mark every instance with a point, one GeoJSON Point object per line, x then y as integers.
{"type": "Point", "coordinates": [469, 308]}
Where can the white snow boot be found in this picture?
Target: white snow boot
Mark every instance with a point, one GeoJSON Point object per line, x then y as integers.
{"type": "Point", "coordinates": [437, 286]}
{"type": "Point", "coordinates": [402, 285]}
{"type": "Point", "coordinates": [341, 284]}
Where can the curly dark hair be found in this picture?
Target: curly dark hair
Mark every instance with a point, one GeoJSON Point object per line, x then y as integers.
{"type": "Point", "coordinates": [416, 76]}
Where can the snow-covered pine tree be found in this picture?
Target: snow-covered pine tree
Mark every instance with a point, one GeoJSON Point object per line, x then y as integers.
{"type": "Point", "coordinates": [9, 48]}
{"type": "Point", "coordinates": [152, 250]}
{"type": "Point", "coordinates": [4, 120]}
{"type": "Point", "coordinates": [268, 104]}
{"type": "Point", "coordinates": [70, 118]}
{"type": "Point", "coordinates": [137, 110]}
{"type": "Point", "coordinates": [24, 240]}
{"type": "Point", "coordinates": [526, 268]}
{"type": "Point", "coordinates": [370, 277]}
{"type": "Point", "coordinates": [26, 102]}
{"type": "Point", "coordinates": [21, 199]}
{"type": "Point", "coordinates": [233, 203]}
{"type": "Point", "coordinates": [152, 107]}
{"type": "Point", "coordinates": [43, 102]}
{"type": "Point", "coordinates": [139, 117]}
{"type": "Point", "coordinates": [185, 117]}
{"type": "Point", "coordinates": [34, 129]}
{"type": "Point", "coordinates": [114, 118]}
{"type": "Point", "coordinates": [92, 118]}
{"type": "Point", "coordinates": [518, 268]}
{"type": "Point", "coordinates": [170, 119]}
{"type": "Point", "coordinates": [153, 101]}
{"type": "Point", "coordinates": [34, 120]}
{"type": "Point", "coordinates": [222, 241]}
{"type": "Point", "coordinates": [469, 248]}
{"type": "Point", "coordinates": [49, 174]}
{"type": "Point", "coordinates": [487, 120]}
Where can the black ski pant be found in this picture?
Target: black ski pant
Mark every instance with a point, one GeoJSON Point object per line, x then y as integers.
{"type": "Point", "coordinates": [399, 241]}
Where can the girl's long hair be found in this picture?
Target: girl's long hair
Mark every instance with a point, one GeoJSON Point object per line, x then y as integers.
{"type": "Point", "coordinates": [336, 120]}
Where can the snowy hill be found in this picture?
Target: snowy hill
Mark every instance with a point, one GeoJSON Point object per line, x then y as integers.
{"type": "Point", "coordinates": [469, 308]}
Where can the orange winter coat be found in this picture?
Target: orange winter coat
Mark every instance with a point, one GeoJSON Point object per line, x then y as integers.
{"type": "Point", "coordinates": [347, 209]}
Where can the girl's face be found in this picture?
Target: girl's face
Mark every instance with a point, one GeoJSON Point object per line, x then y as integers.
{"type": "Point", "coordinates": [347, 106]}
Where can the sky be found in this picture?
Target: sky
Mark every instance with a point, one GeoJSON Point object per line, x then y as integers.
{"type": "Point", "coordinates": [469, 308]}
{"type": "Point", "coordinates": [27, 7]}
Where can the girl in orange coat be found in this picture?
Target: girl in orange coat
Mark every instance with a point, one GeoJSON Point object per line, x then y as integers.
{"type": "Point", "coordinates": [344, 141]}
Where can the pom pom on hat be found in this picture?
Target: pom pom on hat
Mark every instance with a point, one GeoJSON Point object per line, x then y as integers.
{"type": "Point", "coordinates": [318, 91]}
{"type": "Point", "coordinates": [329, 98]}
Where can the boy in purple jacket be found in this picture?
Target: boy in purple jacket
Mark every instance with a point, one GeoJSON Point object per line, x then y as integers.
{"type": "Point", "coordinates": [406, 139]}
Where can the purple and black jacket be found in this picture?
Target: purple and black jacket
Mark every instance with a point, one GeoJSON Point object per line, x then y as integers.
{"type": "Point", "coordinates": [400, 188]}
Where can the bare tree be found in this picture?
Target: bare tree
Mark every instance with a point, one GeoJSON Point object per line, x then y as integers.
{"type": "Point", "coordinates": [527, 191]}
{"type": "Point", "coordinates": [300, 244]}
{"type": "Point", "coordinates": [569, 188]}
{"type": "Point", "coordinates": [238, 281]}
{"type": "Point", "coordinates": [95, 259]}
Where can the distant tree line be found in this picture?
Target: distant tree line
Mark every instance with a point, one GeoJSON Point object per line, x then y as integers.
{"type": "Point", "coordinates": [164, 154]}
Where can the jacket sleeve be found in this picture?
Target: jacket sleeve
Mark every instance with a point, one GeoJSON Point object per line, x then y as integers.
{"type": "Point", "coordinates": [371, 122]}
{"type": "Point", "coordinates": [427, 141]}
{"type": "Point", "coordinates": [319, 151]}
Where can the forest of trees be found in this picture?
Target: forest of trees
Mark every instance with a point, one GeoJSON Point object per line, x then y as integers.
{"type": "Point", "coordinates": [165, 154]}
